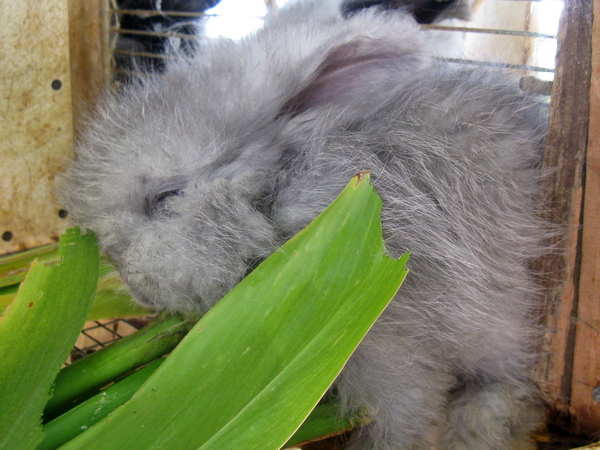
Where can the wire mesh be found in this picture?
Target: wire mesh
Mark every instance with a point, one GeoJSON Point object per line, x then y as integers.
{"type": "Point", "coordinates": [503, 34]}
{"type": "Point", "coordinates": [100, 333]}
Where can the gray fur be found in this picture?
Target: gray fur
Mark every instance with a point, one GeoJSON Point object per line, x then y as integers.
{"type": "Point", "coordinates": [252, 139]}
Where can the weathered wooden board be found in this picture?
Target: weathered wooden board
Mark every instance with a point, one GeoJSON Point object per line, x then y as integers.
{"type": "Point", "coordinates": [570, 373]}
{"type": "Point", "coordinates": [585, 389]}
{"type": "Point", "coordinates": [566, 144]}
{"type": "Point", "coordinates": [36, 133]}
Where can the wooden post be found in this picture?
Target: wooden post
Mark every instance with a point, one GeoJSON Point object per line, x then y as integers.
{"type": "Point", "coordinates": [86, 36]}
{"type": "Point", "coordinates": [570, 368]}
{"type": "Point", "coordinates": [585, 389]}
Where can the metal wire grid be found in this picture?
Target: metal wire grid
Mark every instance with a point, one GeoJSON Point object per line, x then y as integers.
{"type": "Point", "coordinates": [488, 31]}
{"type": "Point", "coordinates": [116, 31]}
{"type": "Point", "coordinates": [98, 334]}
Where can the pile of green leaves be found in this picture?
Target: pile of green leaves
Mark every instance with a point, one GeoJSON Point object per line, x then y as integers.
{"type": "Point", "coordinates": [249, 374]}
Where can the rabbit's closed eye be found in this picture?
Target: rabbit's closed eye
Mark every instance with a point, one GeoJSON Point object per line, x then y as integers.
{"type": "Point", "coordinates": [160, 205]}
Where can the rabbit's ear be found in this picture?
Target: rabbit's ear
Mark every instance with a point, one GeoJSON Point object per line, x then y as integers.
{"type": "Point", "coordinates": [361, 72]}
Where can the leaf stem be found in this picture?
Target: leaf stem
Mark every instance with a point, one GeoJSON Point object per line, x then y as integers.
{"type": "Point", "coordinates": [85, 377]}
{"type": "Point", "coordinates": [77, 420]}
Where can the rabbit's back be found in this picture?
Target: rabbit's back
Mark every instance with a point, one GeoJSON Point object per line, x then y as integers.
{"type": "Point", "coordinates": [456, 158]}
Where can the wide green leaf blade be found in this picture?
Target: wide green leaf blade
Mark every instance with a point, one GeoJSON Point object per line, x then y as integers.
{"type": "Point", "coordinates": [252, 369]}
{"type": "Point", "coordinates": [37, 332]}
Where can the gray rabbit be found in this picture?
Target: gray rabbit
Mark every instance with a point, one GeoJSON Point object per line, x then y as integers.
{"type": "Point", "coordinates": [191, 177]}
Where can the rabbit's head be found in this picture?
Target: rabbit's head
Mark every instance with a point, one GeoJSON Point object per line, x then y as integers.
{"type": "Point", "coordinates": [177, 174]}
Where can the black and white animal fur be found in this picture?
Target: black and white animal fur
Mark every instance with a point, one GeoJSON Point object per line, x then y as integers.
{"type": "Point", "coordinates": [424, 11]}
{"type": "Point", "coordinates": [189, 177]}
{"type": "Point", "coordinates": [130, 42]}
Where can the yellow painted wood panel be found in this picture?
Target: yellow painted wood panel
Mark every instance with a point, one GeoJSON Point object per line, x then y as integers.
{"type": "Point", "coordinates": [37, 132]}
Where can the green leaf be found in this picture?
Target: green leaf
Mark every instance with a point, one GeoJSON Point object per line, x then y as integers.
{"type": "Point", "coordinates": [112, 300]}
{"type": "Point", "coordinates": [250, 372]}
{"type": "Point", "coordinates": [324, 421]}
{"type": "Point", "coordinates": [37, 332]}
{"type": "Point", "coordinates": [94, 409]}
{"type": "Point", "coordinates": [13, 268]}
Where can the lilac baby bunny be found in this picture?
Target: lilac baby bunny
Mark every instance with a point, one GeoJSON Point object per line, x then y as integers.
{"type": "Point", "coordinates": [192, 176]}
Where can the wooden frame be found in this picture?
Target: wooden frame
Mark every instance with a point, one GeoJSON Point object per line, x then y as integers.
{"type": "Point", "coordinates": [585, 385]}
{"type": "Point", "coordinates": [570, 369]}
